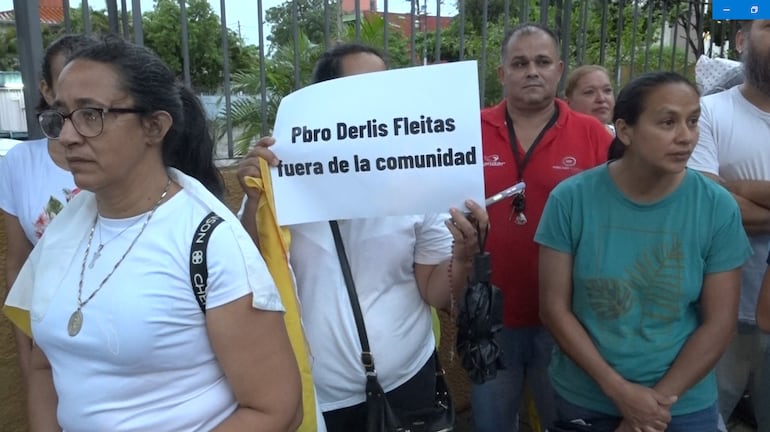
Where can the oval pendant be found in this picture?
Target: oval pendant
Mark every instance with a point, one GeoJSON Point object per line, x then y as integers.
{"type": "Point", "coordinates": [75, 323]}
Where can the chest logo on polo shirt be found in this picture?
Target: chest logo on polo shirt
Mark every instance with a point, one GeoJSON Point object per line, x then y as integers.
{"type": "Point", "coordinates": [567, 163]}
{"type": "Point", "coordinates": [493, 161]}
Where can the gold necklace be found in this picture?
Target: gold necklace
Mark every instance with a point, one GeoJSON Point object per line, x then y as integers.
{"type": "Point", "coordinates": [75, 322]}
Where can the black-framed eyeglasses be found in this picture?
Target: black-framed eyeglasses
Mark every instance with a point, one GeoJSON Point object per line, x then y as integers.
{"type": "Point", "coordinates": [88, 122]}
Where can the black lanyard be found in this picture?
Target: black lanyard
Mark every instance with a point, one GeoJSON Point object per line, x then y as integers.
{"type": "Point", "coordinates": [521, 164]}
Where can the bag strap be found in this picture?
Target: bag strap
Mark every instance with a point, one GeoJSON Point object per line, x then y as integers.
{"type": "Point", "coordinates": [199, 271]}
{"type": "Point", "coordinates": [366, 355]}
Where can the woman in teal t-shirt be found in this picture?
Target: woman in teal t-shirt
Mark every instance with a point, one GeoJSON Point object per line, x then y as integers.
{"type": "Point", "coordinates": [640, 272]}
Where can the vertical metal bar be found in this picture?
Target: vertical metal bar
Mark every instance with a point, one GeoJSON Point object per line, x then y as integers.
{"type": "Point", "coordinates": [262, 71]}
{"type": "Point", "coordinates": [461, 4]}
{"type": "Point", "coordinates": [687, 32]}
{"type": "Point", "coordinates": [437, 54]}
{"type": "Point", "coordinates": [544, 12]}
{"type": "Point", "coordinates": [676, 35]}
{"type": "Point", "coordinates": [424, 29]}
{"type": "Point", "coordinates": [67, 20]}
{"type": "Point", "coordinates": [30, 46]}
{"type": "Point", "coordinates": [86, 16]}
{"type": "Point", "coordinates": [506, 16]}
{"type": "Point", "coordinates": [327, 33]}
{"type": "Point", "coordinates": [566, 35]}
{"type": "Point", "coordinates": [619, 43]}
{"type": "Point", "coordinates": [295, 38]}
{"type": "Point", "coordinates": [112, 15]}
{"type": "Point", "coordinates": [386, 27]}
{"type": "Point", "coordinates": [699, 26]}
{"type": "Point", "coordinates": [603, 38]}
{"type": "Point", "coordinates": [226, 72]}
{"type": "Point", "coordinates": [633, 39]}
{"type": "Point", "coordinates": [483, 72]}
{"type": "Point", "coordinates": [583, 32]}
{"type": "Point", "coordinates": [524, 12]}
{"type": "Point", "coordinates": [558, 16]}
{"type": "Point", "coordinates": [663, 22]}
{"type": "Point", "coordinates": [648, 40]}
{"type": "Point", "coordinates": [185, 43]}
{"type": "Point", "coordinates": [124, 18]}
{"type": "Point", "coordinates": [412, 42]}
{"type": "Point", "coordinates": [724, 32]}
{"type": "Point", "coordinates": [136, 15]}
{"type": "Point", "coordinates": [358, 20]}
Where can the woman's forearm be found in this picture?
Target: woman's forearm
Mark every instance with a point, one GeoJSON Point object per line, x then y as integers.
{"type": "Point", "coordinates": [42, 400]}
{"type": "Point", "coordinates": [698, 356]}
{"type": "Point", "coordinates": [250, 419]}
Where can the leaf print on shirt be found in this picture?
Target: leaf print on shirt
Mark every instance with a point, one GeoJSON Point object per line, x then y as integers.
{"type": "Point", "coordinates": [52, 208]}
{"type": "Point", "coordinates": [609, 298]}
{"type": "Point", "coordinates": [656, 277]}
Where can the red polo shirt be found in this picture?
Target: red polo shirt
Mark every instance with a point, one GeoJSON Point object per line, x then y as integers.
{"type": "Point", "coordinates": [576, 142]}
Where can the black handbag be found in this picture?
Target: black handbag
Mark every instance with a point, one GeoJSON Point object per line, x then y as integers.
{"type": "Point", "coordinates": [380, 416]}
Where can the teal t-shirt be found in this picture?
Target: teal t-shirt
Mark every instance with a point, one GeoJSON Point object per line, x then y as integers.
{"type": "Point", "coordinates": [637, 276]}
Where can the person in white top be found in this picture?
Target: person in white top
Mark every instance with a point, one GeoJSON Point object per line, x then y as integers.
{"type": "Point", "coordinates": [732, 149]}
{"type": "Point", "coordinates": [589, 91]}
{"type": "Point", "coordinates": [123, 341]}
{"type": "Point", "coordinates": [34, 181]}
{"type": "Point", "coordinates": [401, 267]}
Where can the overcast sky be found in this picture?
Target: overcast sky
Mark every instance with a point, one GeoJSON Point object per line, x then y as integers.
{"type": "Point", "coordinates": [244, 12]}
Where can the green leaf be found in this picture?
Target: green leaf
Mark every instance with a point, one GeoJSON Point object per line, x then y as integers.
{"type": "Point", "coordinates": [609, 298]}
{"type": "Point", "coordinates": [657, 277]}
{"type": "Point", "coordinates": [54, 206]}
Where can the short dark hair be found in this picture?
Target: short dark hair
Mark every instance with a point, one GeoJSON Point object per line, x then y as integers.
{"type": "Point", "coordinates": [329, 65]}
{"type": "Point", "coordinates": [189, 144]}
{"type": "Point", "coordinates": [63, 45]}
{"type": "Point", "coordinates": [631, 102]}
{"type": "Point", "coordinates": [527, 29]}
{"type": "Point", "coordinates": [745, 25]}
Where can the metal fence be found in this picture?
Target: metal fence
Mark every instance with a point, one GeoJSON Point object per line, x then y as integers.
{"type": "Point", "coordinates": [626, 36]}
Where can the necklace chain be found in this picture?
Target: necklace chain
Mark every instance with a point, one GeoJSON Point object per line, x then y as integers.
{"type": "Point", "coordinates": [81, 302]}
{"type": "Point", "coordinates": [98, 252]}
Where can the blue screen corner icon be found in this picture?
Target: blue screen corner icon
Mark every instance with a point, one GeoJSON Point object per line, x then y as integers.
{"type": "Point", "coordinates": [740, 9]}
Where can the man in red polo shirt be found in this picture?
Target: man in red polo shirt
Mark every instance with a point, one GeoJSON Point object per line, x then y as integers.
{"type": "Point", "coordinates": [534, 137]}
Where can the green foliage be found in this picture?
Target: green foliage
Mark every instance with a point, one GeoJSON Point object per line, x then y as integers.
{"type": "Point", "coordinates": [310, 20]}
{"type": "Point", "coordinates": [162, 33]}
{"type": "Point", "coordinates": [247, 112]}
{"type": "Point", "coordinates": [9, 53]}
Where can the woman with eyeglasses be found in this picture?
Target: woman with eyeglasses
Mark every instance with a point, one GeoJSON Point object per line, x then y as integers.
{"type": "Point", "coordinates": [146, 315]}
{"type": "Point", "coordinates": [34, 181]}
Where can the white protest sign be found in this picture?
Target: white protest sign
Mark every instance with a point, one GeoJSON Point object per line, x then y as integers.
{"type": "Point", "coordinates": [398, 142]}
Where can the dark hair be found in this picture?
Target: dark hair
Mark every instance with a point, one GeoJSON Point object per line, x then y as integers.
{"type": "Point", "coordinates": [631, 102]}
{"type": "Point", "coordinates": [745, 25]}
{"type": "Point", "coordinates": [329, 65]}
{"type": "Point", "coordinates": [188, 145]}
{"type": "Point", "coordinates": [63, 45]}
{"type": "Point", "coordinates": [527, 29]}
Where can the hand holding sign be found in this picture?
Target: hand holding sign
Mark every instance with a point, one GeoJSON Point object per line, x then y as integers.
{"type": "Point", "coordinates": [249, 165]}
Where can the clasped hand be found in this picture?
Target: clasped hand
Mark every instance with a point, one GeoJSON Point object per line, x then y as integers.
{"type": "Point", "coordinates": [643, 409]}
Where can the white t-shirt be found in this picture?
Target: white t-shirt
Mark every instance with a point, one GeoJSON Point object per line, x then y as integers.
{"type": "Point", "coordinates": [734, 144]}
{"type": "Point", "coordinates": [32, 187]}
{"type": "Point", "coordinates": [382, 253]}
{"type": "Point", "coordinates": [143, 361]}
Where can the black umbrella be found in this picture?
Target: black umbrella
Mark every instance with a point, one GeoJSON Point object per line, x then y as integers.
{"type": "Point", "coordinates": [480, 317]}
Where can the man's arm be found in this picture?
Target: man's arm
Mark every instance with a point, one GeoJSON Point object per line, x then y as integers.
{"type": "Point", "coordinates": [753, 198]}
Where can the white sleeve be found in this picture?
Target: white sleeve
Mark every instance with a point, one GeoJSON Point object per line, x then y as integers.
{"type": "Point", "coordinates": [705, 156]}
{"type": "Point", "coordinates": [434, 241]}
{"type": "Point", "coordinates": [7, 187]}
{"type": "Point", "coordinates": [236, 268]}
